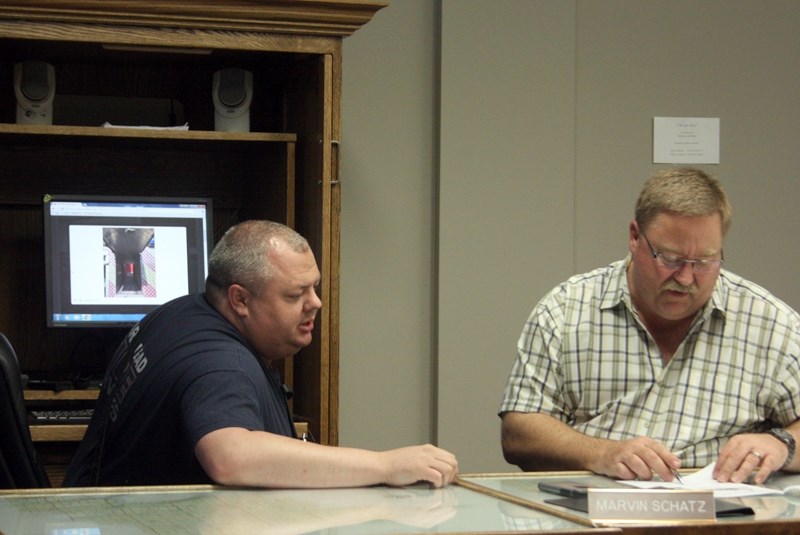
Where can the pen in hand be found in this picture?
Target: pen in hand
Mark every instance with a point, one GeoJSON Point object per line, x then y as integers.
{"type": "Point", "coordinates": [678, 477]}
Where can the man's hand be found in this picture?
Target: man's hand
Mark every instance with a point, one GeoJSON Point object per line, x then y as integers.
{"type": "Point", "coordinates": [750, 452]}
{"type": "Point", "coordinates": [636, 458]}
{"type": "Point", "coordinates": [406, 466]}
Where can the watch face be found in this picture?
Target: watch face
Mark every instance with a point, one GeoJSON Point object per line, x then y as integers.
{"type": "Point", "coordinates": [788, 439]}
{"type": "Point", "coordinates": [783, 435]}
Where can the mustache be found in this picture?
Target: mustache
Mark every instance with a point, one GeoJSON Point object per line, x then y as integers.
{"type": "Point", "coordinates": [674, 286]}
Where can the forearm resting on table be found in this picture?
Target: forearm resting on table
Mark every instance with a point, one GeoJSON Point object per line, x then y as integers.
{"type": "Point", "coordinates": [537, 442]}
{"type": "Point", "coordinates": [235, 456]}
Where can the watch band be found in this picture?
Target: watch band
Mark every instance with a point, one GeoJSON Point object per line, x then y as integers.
{"type": "Point", "coordinates": [787, 438]}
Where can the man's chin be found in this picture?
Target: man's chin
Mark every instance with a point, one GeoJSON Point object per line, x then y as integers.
{"type": "Point", "coordinates": [677, 313]}
{"type": "Point", "coordinates": [303, 340]}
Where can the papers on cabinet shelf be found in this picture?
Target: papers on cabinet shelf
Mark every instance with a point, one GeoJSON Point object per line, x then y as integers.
{"type": "Point", "coordinates": [179, 127]}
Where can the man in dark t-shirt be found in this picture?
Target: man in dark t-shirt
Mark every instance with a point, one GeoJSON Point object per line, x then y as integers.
{"type": "Point", "coordinates": [185, 365]}
{"type": "Point", "coordinates": [189, 396]}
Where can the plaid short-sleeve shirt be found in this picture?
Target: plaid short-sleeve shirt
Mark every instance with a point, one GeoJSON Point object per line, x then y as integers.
{"type": "Point", "coordinates": [585, 359]}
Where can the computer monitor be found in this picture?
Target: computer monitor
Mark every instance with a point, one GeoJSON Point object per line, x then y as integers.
{"type": "Point", "coordinates": [109, 260]}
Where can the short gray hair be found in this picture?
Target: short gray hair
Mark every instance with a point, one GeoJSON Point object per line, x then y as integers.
{"type": "Point", "coordinates": [683, 191]}
{"type": "Point", "coordinates": [242, 255]}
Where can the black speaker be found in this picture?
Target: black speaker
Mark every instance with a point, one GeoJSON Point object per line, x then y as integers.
{"type": "Point", "coordinates": [35, 88]}
{"type": "Point", "coordinates": [232, 92]}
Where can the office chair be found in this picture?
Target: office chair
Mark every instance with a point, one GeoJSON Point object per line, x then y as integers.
{"type": "Point", "coordinates": [19, 464]}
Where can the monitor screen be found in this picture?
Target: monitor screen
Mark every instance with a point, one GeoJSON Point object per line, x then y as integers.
{"type": "Point", "coordinates": [111, 260]}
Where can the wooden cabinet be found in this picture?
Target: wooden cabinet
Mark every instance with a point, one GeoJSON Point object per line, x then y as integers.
{"type": "Point", "coordinates": [152, 63]}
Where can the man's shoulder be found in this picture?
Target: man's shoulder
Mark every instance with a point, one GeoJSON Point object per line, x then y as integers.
{"type": "Point", "coordinates": [598, 275]}
{"type": "Point", "coordinates": [601, 285]}
{"type": "Point", "coordinates": [598, 282]}
{"type": "Point", "coordinates": [188, 327]}
{"type": "Point", "coordinates": [738, 292]}
{"type": "Point", "coordinates": [194, 306]}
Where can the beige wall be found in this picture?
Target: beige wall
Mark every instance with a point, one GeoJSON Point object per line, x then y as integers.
{"type": "Point", "coordinates": [388, 175]}
{"type": "Point", "coordinates": [472, 186]}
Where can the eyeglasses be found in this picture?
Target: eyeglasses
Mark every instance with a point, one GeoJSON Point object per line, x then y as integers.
{"type": "Point", "coordinates": [672, 262]}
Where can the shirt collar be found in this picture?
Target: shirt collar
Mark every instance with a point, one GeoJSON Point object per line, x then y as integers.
{"type": "Point", "coordinates": [616, 290]}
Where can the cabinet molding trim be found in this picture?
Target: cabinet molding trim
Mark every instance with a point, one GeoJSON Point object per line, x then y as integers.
{"type": "Point", "coordinates": [308, 17]}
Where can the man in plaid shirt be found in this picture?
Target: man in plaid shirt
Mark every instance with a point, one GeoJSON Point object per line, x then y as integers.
{"type": "Point", "coordinates": [660, 360]}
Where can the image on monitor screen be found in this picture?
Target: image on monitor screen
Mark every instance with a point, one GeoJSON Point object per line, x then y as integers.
{"type": "Point", "coordinates": [111, 260]}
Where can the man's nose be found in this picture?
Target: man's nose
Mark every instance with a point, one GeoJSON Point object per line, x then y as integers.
{"type": "Point", "coordinates": [685, 274]}
{"type": "Point", "coordinates": [315, 303]}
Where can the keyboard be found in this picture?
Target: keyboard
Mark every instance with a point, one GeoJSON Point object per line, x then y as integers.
{"type": "Point", "coordinates": [61, 416]}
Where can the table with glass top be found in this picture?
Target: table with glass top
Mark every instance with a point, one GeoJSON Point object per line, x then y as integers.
{"type": "Point", "coordinates": [209, 509]}
{"type": "Point", "coordinates": [773, 514]}
{"type": "Point", "coordinates": [476, 504]}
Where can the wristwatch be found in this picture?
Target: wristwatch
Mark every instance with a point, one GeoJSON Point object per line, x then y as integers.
{"type": "Point", "coordinates": [787, 438]}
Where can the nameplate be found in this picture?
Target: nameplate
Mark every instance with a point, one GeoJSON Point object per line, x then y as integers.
{"type": "Point", "coordinates": [651, 505]}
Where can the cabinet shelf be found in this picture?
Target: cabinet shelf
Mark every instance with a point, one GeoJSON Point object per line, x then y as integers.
{"type": "Point", "coordinates": [144, 133]}
{"type": "Point", "coordinates": [71, 395]}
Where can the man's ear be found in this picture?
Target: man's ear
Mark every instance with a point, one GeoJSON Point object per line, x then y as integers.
{"type": "Point", "coordinates": [633, 236]}
{"type": "Point", "coordinates": [238, 298]}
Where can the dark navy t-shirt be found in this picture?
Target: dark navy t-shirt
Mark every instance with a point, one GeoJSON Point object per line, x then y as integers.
{"type": "Point", "coordinates": [181, 373]}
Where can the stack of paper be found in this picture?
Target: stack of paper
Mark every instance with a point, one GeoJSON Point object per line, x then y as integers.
{"type": "Point", "coordinates": [704, 480]}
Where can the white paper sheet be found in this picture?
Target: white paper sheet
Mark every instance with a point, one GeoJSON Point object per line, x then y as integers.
{"type": "Point", "coordinates": [686, 140]}
{"type": "Point", "coordinates": [704, 480]}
